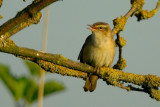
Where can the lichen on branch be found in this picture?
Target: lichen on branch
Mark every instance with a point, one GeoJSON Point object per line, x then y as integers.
{"type": "Point", "coordinates": [64, 66]}
{"type": "Point", "coordinates": [138, 4]}
{"type": "Point", "coordinates": [33, 20]}
{"type": "Point", "coordinates": [119, 23]}
{"type": "Point", "coordinates": [145, 14]}
{"type": "Point", "coordinates": [149, 83]}
{"type": "Point", "coordinates": [1, 2]}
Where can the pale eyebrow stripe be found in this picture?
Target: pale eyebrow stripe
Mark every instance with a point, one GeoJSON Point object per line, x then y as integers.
{"type": "Point", "coordinates": [105, 26]}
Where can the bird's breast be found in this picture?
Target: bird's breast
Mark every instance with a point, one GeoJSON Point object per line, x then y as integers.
{"type": "Point", "coordinates": [99, 55]}
{"type": "Point", "coordinates": [100, 41]}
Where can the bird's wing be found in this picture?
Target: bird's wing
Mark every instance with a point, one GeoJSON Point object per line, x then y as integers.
{"type": "Point", "coordinates": [80, 57]}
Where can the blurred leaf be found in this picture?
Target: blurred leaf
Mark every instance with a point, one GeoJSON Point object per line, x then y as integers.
{"type": "Point", "coordinates": [25, 87]}
{"type": "Point", "coordinates": [31, 88]}
{"type": "Point", "coordinates": [21, 86]}
{"type": "Point", "coordinates": [50, 88]}
{"type": "Point", "coordinates": [33, 68]}
{"type": "Point", "coordinates": [10, 81]}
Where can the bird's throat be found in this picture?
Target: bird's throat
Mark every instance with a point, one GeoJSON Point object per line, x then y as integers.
{"type": "Point", "coordinates": [99, 40]}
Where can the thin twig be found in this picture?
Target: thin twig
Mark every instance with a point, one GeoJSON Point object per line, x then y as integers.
{"type": "Point", "coordinates": [44, 48]}
{"type": "Point", "coordinates": [120, 48]}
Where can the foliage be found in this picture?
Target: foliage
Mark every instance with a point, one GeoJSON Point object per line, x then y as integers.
{"type": "Point", "coordinates": [26, 87]}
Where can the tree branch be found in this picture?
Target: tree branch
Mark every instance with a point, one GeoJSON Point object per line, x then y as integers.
{"type": "Point", "coordinates": [10, 47]}
{"type": "Point", "coordinates": [34, 20]}
{"type": "Point", "coordinates": [136, 7]}
{"type": "Point", "coordinates": [112, 77]}
{"type": "Point", "coordinates": [127, 15]}
{"type": "Point", "coordinates": [61, 65]}
{"type": "Point", "coordinates": [145, 14]}
{"type": "Point", "coordinates": [23, 15]}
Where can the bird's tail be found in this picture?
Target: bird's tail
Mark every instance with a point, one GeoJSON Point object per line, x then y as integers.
{"type": "Point", "coordinates": [91, 82]}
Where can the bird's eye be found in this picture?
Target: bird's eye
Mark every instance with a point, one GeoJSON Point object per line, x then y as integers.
{"type": "Point", "coordinates": [100, 27]}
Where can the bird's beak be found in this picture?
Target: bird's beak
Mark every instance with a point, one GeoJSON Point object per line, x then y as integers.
{"type": "Point", "coordinates": [92, 28]}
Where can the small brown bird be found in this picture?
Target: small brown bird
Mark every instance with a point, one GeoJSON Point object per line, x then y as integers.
{"type": "Point", "coordinates": [97, 51]}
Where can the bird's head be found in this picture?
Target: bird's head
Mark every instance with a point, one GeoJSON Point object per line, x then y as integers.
{"type": "Point", "coordinates": [101, 28]}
